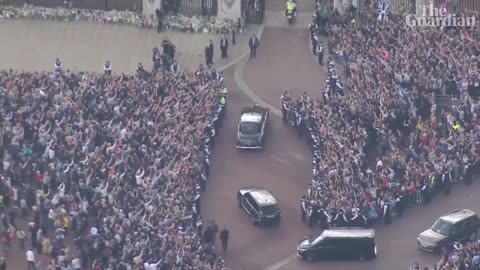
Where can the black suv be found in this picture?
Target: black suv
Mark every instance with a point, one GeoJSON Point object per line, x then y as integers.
{"type": "Point", "coordinates": [339, 243]}
{"type": "Point", "coordinates": [260, 205]}
{"type": "Point", "coordinates": [456, 226]}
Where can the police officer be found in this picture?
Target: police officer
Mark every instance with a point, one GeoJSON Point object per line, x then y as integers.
{"type": "Point", "coordinates": [425, 190]}
{"type": "Point", "coordinates": [355, 221]}
{"type": "Point", "coordinates": [196, 199]}
{"type": "Point", "coordinates": [304, 99]}
{"type": "Point", "coordinates": [314, 39]}
{"type": "Point", "coordinates": [58, 66]}
{"type": "Point", "coordinates": [284, 99]}
{"type": "Point", "coordinates": [199, 226]}
{"type": "Point", "coordinates": [299, 120]}
{"type": "Point", "coordinates": [310, 215]}
{"type": "Point", "coordinates": [291, 113]}
{"type": "Point", "coordinates": [468, 172]}
{"type": "Point", "coordinates": [323, 217]}
{"type": "Point", "coordinates": [202, 179]}
{"type": "Point", "coordinates": [446, 181]}
{"type": "Point", "coordinates": [309, 190]}
{"type": "Point", "coordinates": [107, 69]}
{"type": "Point", "coordinates": [224, 92]}
{"type": "Point", "coordinates": [320, 53]}
{"type": "Point", "coordinates": [303, 208]}
{"type": "Point", "coordinates": [333, 83]}
{"type": "Point", "coordinates": [399, 204]}
{"type": "Point", "coordinates": [341, 219]}
{"type": "Point", "coordinates": [387, 213]}
{"type": "Point", "coordinates": [220, 78]}
{"type": "Point", "coordinates": [296, 114]}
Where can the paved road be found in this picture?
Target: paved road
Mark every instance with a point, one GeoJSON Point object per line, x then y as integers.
{"type": "Point", "coordinates": [283, 166]}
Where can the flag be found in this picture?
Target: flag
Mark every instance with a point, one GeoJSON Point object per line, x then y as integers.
{"type": "Point", "coordinates": [383, 10]}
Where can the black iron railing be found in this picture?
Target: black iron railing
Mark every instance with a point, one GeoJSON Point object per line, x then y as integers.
{"type": "Point", "coordinates": [120, 5]}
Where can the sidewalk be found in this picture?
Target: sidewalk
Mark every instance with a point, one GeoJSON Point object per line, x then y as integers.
{"type": "Point", "coordinates": [34, 45]}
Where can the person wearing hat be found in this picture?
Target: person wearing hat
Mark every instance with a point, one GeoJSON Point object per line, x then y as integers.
{"type": "Point", "coordinates": [314, 40]}
{"type": "Point", "coordinates": [303, 208]}
{"type": "Point", "coordinates": [285, 98]}
{"type": "Point", "coordinates": [320, 53]}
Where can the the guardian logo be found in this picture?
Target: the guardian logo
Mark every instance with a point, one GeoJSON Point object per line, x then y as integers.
{"type": "Point", "coordinates": [429, 15]}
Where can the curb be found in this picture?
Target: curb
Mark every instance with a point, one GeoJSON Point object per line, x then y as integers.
{"type": "Point", "coordinates": [242, 84]}
{"type": "Point", "coordinates": [245, 54]}
{"type": "Point", "coordinates": [238, 72]}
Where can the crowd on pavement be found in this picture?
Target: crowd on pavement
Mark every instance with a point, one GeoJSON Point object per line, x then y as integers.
{"type": "Point", "coordinates": [108, 169]}
{"type": "Point", "coordinates": [384, 143]}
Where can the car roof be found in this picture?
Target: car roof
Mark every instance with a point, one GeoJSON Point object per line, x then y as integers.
{"type": "Point", "coordinates": [251, 117]}
{"type": "Point", "coordinates": [263, 197]}
{"type": "Point", "coordinates": [348, 232]}
{"type": "Point", "coordinates": [457, 215]}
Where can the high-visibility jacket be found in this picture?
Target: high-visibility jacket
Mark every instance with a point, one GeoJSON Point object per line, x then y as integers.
{"type": "Point", "coordinates": [223, 101]}
{"type": "Point", "coordinates": [432, 180]}
{"type": "Point", "coordinates": [456, 127]}
{"type": "Point", "coordinates": [290, 6]}
{"type": "Point", "coordinates": [224, 91]}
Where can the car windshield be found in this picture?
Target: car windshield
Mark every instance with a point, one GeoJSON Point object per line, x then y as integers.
{"type": "Point", "coordinates": [269, 210]}
{"type": "Point", "coordinates": [249, 128]}
{"type": "Point", "coordinates": [442, 227]}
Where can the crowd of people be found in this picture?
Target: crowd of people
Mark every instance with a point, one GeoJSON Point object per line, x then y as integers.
{"type": "Point", "coordinates": [385, 144]}
{"type": "Point", "coordinates": [109, 168]}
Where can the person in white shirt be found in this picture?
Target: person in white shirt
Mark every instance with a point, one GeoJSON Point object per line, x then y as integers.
{"type": "Point", "coordinates": [30, 259]}
{"type": "Point", "coordinates": [76, 264]}
{"type": "Point", "coordinates": [151, 265]}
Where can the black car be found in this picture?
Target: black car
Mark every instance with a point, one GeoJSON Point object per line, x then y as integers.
{"type": "Point", "coordinates": [260, 205]}
{"type": "Point", "coordinates": [456, 226]}
{"type": "Point", "coordinates": [339, 243]}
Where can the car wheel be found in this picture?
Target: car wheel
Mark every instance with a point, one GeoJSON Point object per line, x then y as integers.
{"type": "Point", "coordinates": [362, 257]}
{"type": "Point", "coordinates": [473, 236]}
{"type": "Point", "coordinates": [309, 257]}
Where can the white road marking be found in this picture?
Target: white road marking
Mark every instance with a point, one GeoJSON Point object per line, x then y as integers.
{"type": "Point", "coordinates": [282, 262]}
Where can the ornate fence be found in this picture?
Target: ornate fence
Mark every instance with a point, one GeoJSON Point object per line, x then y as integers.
{"type": "Point", "coordinates": [198, 7]}
{"type": "Point", "coordinates": [120, 5]}
{"type": "Point", "coordinates": [253, 11]}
